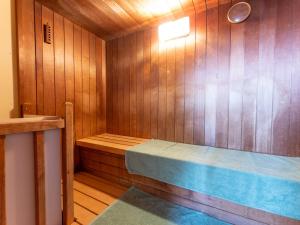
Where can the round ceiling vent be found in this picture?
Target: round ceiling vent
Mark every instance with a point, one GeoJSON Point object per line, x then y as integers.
{"type": "Point", "coordinates": [239, 12]}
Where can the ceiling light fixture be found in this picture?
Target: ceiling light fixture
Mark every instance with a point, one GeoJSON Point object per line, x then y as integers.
{"type": "Point", "coordinates": [174, 29]}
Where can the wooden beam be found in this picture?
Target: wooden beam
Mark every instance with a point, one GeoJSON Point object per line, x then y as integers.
{"type": "Point", "coordinates": [68, 165]}
{"type": "Point", "coordinates": [39, 171]}
{"type": "Point", "coordinates": [2, 182]}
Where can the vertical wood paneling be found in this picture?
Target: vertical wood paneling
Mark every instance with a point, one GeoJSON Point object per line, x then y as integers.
{"type": "Point", "coordinates": [93, 85]}
{"type": "Point", "coordinates": [39, 39]}
{"type": "Point", "coordinates": [250, 80]}
{"type": "Point", "coordinates": [59, 68]}
{"type": "Point", "coordinates": [200, 73]}
{"type": "Point", "coordinates": [223, 77]}
{"type": "Point", "coordinates": [295, 99]}
{"type": "Point", "coordinates": [211, 76]}
{"type": "Point", "coordinates": [162, 92]}
{"type": "Point", "coordinates": [26, 60]}
{"type": "Point", "coordinates": [267, 30]}
{"type": "Point", "coordinates": [237, 63]}
{"type": "Point", "coordinates": [154, 82]}
{"type": "Point", "coordinates": [133, 85]}
{"type": "Point", "coordinates": [78, 82]}
{"type": "Point", "coordinates": [110, 86]}
{"type": "Point", "coordinates": [72, 68]}
{"type": "Point", "coordinates": [101, 85]}
{"type": "Point", "coordinates": [282, 84]}
{"type": "Point", "coordinates": [189, 70]}
{"type": "Point", "coordinates": [179, 95]}
{"type": "Point", "coordinates": [170, 102]}
{"type": "Point", "coordinates": [69, 61]}
{"type": "Point", "coordinates": [126, 82]}
{"type": "Point", "coordinates": [48, 66]}
{"type": "Point", "coordinates": [85, 60]}
{"type": "Point", "coordinates": [147, 86]}
{"type": "Point", "coordinates": [115, 90]}
{"type": "Point", "coordinates": [225, 85]}
{"type": "Point", "coordinates": [120, 77]}
{"type": "Point", "coordinates": [140, 83]}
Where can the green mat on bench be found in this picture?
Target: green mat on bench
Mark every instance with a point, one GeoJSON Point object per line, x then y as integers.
{"type": "Point", "coordinates": [139, 208]}
{"type": "Point", "coordinates": [266, 182]}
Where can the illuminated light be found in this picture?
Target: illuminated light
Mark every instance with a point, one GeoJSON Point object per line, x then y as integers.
{"type": "Point", "coordinates": [174, 29]}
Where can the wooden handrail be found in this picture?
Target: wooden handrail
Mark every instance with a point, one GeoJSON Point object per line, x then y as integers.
{"type": "Point", "coordinates": [21, 125]}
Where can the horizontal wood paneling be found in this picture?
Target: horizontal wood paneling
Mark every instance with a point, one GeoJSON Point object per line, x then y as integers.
{"type": "Point", "coordinates": [71, 68]}
{"type": "Point", "coordinates": [231, 86]}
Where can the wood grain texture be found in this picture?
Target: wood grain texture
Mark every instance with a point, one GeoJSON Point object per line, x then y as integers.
{"type": "Point", "coordinates": [110, 19]}
{"type": "Point", "coordinates": [39, 39]}
{"type": "Point", "coordinates": [49, 66]}
{"type": "Point", "coordinates": [59, 71]}
{"type": "Point", "coordinates": [71, 68]}
{"type": "Point", "coordinates": [23, 125]}
{"type": "Point", "coordinates": [92, 195]}
{"type": "Point", "coordinates": [2, 182]}
{"type": "Point", "coordinates": [78, 82]}
{"type": "Point", "coordinates": [26, 56]}
{"type": "Point", "coordinates": [225, 85]}
{"type": "Point", "coordinates": [69, 60]}
{"type": "Point", "coordinates": [68, 165]}
{"type": "Point", "coordinates": [85, 62]}
{"type": "Point", "coordinates": [39, 174]}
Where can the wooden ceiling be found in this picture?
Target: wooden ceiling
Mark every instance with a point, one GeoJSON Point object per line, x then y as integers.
{"type": "Point", "coordinates": [113, 18]}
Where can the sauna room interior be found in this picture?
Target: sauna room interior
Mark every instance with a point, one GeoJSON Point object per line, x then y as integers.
{"type": "Point", "coordinates": [150, 112]}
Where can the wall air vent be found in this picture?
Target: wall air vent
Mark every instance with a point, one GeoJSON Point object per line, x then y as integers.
{"type": "Point", "coordinates": [47, 33]}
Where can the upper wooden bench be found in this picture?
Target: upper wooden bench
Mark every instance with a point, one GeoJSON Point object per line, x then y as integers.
{"type": "Point", "coordinates": [111, 143]}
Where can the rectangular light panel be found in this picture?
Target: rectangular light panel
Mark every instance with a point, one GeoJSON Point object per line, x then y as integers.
{"type": "Point", "coordinates": [174, 29]}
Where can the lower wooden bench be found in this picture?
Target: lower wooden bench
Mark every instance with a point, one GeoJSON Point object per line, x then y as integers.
{"type": "Point", "coordinates": [104, 156]}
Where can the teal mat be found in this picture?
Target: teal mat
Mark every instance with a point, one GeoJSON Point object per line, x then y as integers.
{"type": "Point", "coordinates": [139, 208]}
{"type": "Point", "coordinates": [266, 182]}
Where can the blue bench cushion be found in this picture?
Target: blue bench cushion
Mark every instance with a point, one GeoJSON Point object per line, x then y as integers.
{"type": "Point", "coordinates": [265, 182]}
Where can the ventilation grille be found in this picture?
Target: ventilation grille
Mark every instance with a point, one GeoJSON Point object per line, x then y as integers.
{"type": "Point", "coordinates": [47, 33]}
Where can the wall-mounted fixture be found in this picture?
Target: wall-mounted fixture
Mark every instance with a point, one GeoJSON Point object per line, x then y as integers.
{"type": "Point", "coordinates": [239, 12]}
{"type": "Point", "coordinates": [174, 29]}
{"type": "Point", "coordinates": [47, 33]}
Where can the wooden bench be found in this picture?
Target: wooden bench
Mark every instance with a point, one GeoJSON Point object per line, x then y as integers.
{"type": "Point", "coordinates": [111, 143]}
{"type": "Point", "coordinates": [104, 156]}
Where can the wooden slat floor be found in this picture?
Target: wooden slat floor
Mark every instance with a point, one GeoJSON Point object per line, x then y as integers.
{"type": "Point", "coordinates": [92, 195]}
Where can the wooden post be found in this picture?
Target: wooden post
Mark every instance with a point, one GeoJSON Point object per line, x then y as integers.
{"type": "Point", "coordinates": [68, 165]}
{"type": "Point", "coordinates": [2, 182]}
{"type": "Point", "coordinates": [39, 172]}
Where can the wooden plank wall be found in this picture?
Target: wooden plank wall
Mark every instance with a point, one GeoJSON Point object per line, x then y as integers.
{"type": "Point", "coordinates": [231, 86]}
{"type": "Point", "coordinates": [71, 68]}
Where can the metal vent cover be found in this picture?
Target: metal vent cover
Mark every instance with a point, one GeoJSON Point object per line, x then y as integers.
{"type": "Point", "coordinates": [47, 33]}
{"type": "Point", "coordinates": [239, 12]}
